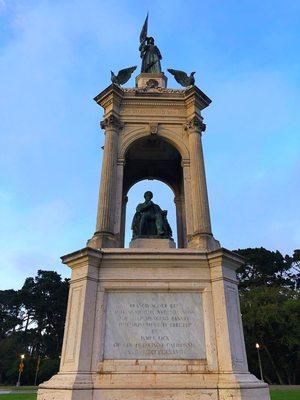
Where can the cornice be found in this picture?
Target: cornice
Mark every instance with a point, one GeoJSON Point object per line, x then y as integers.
{"type": "Point", "coordinates": [80, 254]}
{"type": "Point", "coordinates": [154, 102]}
{"type": "Point", "coordinates": [115, 96]}
{"type": "Point", "coordinates": [195, 95]}
{"type": "Point", "coordinates": [229, 256]}
{"type": "Point", "coordinates": [152, 91]}
{"type": "Point", "coordinates": [112, 93]}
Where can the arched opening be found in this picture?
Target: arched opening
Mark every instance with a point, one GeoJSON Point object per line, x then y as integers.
{"type": "Point", "coordinates": [163, 196]}
{"type": "Point", "coordinates": [154, 158]}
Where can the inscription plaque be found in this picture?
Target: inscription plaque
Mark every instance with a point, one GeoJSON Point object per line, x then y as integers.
{"type": "Point", "coordinates": [154, 325]}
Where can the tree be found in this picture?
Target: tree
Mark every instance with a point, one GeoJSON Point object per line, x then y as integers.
{"type": "Point", "coordinates": [271, 317]}
{"type": "Point", "coordinates": [270, 306]}
{"type": "Point", "coordinates": [265, 268]}
{"type": "Point", "coordinates": [10, 311]}
{"type": "Point", "coordinates": [296, 267]}
{"type": "Point", "coordinates": [32, 322]}
{"type": "Point", "coordinates": [45, 299]}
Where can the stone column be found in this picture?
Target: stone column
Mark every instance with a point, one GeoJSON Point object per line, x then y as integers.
{"type": "Point", "coordinates": [184, 228]}
{"type": "Point", "coordinates": [188, 212]}
{"type": "Point", "coordinates": [202, 236]}
{"type": "Point", "coordinates": [179, 221]}
{"type": "Point", "coordinates": [117, 217]}
{"type": "Point", "coordinates": [123, 221]}
{"type": "Point", "coordinates": [105, 235]}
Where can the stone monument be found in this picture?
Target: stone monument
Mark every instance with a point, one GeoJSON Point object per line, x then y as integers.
{"type": "Point", "coordinates": [153, 321]}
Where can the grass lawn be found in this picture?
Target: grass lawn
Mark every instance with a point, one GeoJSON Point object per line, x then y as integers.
{"type": "Point", "coordinates": [285, 394]}
{"type": "Point", "coordinates": [18, 396]}
{"type": "Point", "coordinates": [275, 395]}
{"type": "Point", "coordinates": [14, 388]}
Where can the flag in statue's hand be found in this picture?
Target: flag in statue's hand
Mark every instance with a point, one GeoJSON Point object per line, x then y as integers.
{"type": "Point", "coordinates": [144, 30]}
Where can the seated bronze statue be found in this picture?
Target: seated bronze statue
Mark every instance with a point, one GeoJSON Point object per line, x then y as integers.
{"type": "Point", "coordinates": [150, 221]}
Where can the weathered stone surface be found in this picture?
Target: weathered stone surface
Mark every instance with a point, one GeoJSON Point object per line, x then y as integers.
{"type": "Point", "coordinates": [151, 81]}
{"type": "Point", "coordinates": [86, 372]}
{"type": "Point", "coordinates": [140, 243]}
{"type": "Point", "coordinates": [154, 325]}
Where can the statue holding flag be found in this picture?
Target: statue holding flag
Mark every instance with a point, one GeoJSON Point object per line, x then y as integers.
{"type": "Point", "coordinates": [150, 53]}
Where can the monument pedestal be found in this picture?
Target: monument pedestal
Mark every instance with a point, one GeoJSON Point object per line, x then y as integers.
{"type": "Point", "coordinates": [143, 323]}
{"type": "Point", "coordinates": [155, 243]}
{"type": "Point", "coordinates": [151, 81]}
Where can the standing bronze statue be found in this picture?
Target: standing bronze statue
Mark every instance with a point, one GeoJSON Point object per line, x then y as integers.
{"type": "Point", "coordinates": [150, 221]}
{"type": "Point", "coordinates": [150, 53]}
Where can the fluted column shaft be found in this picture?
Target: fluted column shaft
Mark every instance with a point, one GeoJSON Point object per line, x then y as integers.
{"type": "Point", "coordinates": [106, 204]}
{"type": "Point", "coordinates": [188, 199]}
{"type": "Point", "coordinates": [105, 233]}
{"type": "Point", "coordinates": [117, 222]}
{"type": "Point", "coordinates": [201, 215]}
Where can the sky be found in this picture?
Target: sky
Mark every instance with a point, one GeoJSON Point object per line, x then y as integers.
{"type": "Point", "coordinates": [56, 56]}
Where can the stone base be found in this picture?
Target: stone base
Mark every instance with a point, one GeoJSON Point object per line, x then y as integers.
{"type": "Point", "coordinates": [88, 387]}
{"type": "Point", "coordinates": [167, 394]}
{"type": "Point", "coordinates": [153, 324]}
{"type": "Point", "coordinates": [151, 81]}
{"type": "Point", "coordinates": [141, 243]}
{"type": "Point", "coordinates": [103, 240]}
{"type": "Point", "coordinates": [203, 242]}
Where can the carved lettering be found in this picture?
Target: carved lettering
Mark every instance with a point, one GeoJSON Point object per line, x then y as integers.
{"type": "Point", "coordinates": [154, 325]}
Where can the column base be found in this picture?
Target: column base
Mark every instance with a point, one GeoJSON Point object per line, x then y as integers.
{"type": "Point", "coordinates": [203, 241]}
{"type": "Point", "coordinates": [68, 386]}
{"type": "Point", "coordinates": [103, 240]}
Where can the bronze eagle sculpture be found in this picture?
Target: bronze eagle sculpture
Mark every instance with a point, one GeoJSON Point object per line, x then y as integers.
{"type": "Point", "coordinates": [182, 78]}
{"type": "Point", "coordinates": [123, 75]}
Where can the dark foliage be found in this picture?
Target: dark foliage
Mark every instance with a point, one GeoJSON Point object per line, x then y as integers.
{"type": "Point", "coordinates": [270, 305]}
{"type": "Point", "coordinates": [32, 323]}
{"type": "Point", "coordinates": [266, 268]}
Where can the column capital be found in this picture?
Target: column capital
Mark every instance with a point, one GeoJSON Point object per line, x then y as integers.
{"type": "Point", "coordinates": [195, 124]}
{"type": "Point", "coordinates": [111, 122]}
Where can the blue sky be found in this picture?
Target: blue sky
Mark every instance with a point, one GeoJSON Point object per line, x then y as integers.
{"type": "Point", "coordinates": [55, 56]}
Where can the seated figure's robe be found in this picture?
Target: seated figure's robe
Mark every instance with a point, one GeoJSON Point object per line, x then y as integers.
{"type": "Point", "coordinates": [150, 220]}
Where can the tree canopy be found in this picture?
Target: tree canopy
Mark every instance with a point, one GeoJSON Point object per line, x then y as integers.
{"type": "Point", "coordinates": [267, 268]}
{"type": "Point", "coordinates": [32, 322]}
{"type": "Point", "coordinates": [270, 306]}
